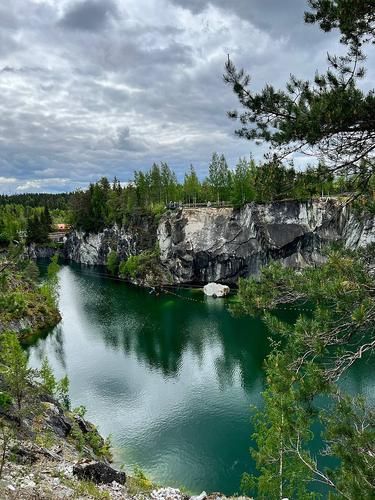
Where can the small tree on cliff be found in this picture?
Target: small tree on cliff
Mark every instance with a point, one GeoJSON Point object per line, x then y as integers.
{"type": "Point", "coordinates": [14, 370]}
{"type": "Point", "coordinates": [112, 262]}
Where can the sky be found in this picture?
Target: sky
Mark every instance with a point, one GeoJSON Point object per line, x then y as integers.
{"type": "Point", "coordinates": [93, 88]}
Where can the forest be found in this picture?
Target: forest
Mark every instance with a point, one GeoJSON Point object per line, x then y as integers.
{"type": "Point", "coordinates": [105, 203]}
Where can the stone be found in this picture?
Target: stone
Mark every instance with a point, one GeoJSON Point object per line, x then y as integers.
{"type": "Point", "coordinates": [202, 496]}
{"type": "Point", "coordinates": [23, 456]}
{"type": "Point", "coordinates": [83, 425]}
{"type": "Point", "coordinates": [216, 290]}
{"type": "Point", "coordinates": [98, 472]}
{"type": "Point", "coordinates": [60, 425]}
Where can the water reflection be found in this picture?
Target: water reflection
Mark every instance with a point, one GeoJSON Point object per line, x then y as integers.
{"type": "Point", "coordinates": [171, 379]}
{"type": "Point", "coordinates": [158, 330]}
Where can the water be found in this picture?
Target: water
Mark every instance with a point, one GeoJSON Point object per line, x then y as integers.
{"type": "Point", "coordinates": [171, 379]}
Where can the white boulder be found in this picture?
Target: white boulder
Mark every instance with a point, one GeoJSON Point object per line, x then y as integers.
{"type": "Point", "coordinates": [216, 290]}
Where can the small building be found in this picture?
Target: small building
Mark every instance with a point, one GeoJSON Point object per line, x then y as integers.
{"type": "Point", "coordinates": [63, 227]}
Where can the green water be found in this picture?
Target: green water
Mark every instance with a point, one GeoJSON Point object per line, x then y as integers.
{"type": "Point", "coordinates": [171, 379]}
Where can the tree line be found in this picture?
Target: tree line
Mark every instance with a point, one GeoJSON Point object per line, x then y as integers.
{"type": "Point", "coordinates": [26, 223]}
{"type": "Point", "coordinates": [105, 203]}
{"type": "Point", "coordinates": [54, 201]}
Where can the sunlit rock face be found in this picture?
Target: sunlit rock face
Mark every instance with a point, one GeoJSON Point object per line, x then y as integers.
{"type": "Point", "coordinates": [208, 244]}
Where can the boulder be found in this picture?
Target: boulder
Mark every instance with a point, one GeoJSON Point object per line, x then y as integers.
{"type": "Point", "coordinates": [98, 472]}
{"type": "Point", "coordinates": [216, 290]}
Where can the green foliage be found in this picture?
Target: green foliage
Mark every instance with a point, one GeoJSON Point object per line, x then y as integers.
{"type": "Point", "coordinates": [331, 117]}
{"type": "Point", "coordinates": [49, 289]}
{"type": "Point", "coordinates": [112, 262]}
{"type": "Point", "coordinates": [38, 226]}
{"type": "Point", "coordinates": [350, 434]}
{"type": "Point", "coordinates": [14, 370]}
{"type": "Point", "coordinates": [49, 382]}
{"type": "Point", "coordinates": [5, 400]}
{"type": "Point", "coordinates": [311, 354]}
{"type": "Point", "coordinates": [101, 447]}
{"type": "Point", "coordinates": [80, 411]}
{"type": "Point", "coordinates": [13, 303]}
{"type": "Point", "coordinates": [154, 191]}
{"type": "Point", "coordinates": [219, 178]}
{"type": "Point", "coordinates": [85, 489]}
{"type": "Point", "coordinates": [129, 267]}
{"type": "Point", "coordinates": [138, 265]}
{"type": "Point", "coordinates": [138, 482]}
{"type": "Point", "coordinates": [355, 20]}
{"type": "Point", "coordinates": [57, 201]}
{"type": "Point", "coordinates": [62, 392]}
{"type": "Point", "coordinates": [21, 296]}
{"type": "Point", "coordinates": [282, 434]}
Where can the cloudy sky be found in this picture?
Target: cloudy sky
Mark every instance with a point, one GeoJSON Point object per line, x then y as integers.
{"type": "Point", "coordinates": [103, 87]}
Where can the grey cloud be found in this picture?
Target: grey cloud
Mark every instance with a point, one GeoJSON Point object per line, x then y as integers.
{"type": "Point", "coordinates": [89, 15]}
{"type": "Point", "coordinates": [124, 141]}
{"type": "Point", "coordinates": [278, 18]}
{"type": "Point", "coordinates": [117, 93]}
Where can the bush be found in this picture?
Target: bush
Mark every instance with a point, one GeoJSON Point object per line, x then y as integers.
{"type": "Point", "coordinates": [14, 303]}
{"type": "Point", "coordinates": [129, 267]}
{"type": "Point", "coordinates": [138, 265]}
{"type": "Point", "coordinates": [5, 400]}
{"type": "Point", "coordinates": [112, 262]}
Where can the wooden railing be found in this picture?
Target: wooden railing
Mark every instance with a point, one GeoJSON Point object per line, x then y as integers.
{"type": "Point", "coordinates": [209, 204]}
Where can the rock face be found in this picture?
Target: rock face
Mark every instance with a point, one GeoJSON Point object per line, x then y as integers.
{"type": "Point", "coordinates": [98, 472]}
{"type": "Point", "coordinates": [138, 235]}
{"type": "Point", "coordinates": [216, 290]}
{"type": "Point", "coordinates": [202, 245]}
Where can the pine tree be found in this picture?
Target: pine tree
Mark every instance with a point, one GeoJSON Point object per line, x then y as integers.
{"type": "Point", "coordinates": [331, 117]}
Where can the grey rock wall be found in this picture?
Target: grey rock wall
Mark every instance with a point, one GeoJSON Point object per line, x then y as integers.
{"type": "Point", "coordinates": [209, 244]}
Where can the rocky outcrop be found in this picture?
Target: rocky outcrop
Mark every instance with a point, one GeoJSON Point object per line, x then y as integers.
{"type": "Point", "coordinates": [137, 235]}
{"type": "Point", "coordinates": [222, 244]}
{"type": "Point", "coordinates": [203, 245]}
{"type": "Point", "coordinates": [42, 251]}
{"type": "Point", "coordinates": [98, 472]}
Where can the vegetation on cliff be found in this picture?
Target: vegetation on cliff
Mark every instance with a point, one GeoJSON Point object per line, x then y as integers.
{"type": "Point", "coordinates": [105, 204]}
{"type": "Point", "coordinates": [26, 306]}
{"type": "Point", "coordinates": [41, 438]}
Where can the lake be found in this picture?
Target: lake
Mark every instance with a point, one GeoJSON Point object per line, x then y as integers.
{"type": "Point", "coordinates": [171, 377]}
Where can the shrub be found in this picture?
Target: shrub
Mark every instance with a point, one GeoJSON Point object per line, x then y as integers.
{"type": "Point", "coordinates": [5, 400]}
{"type": "Point", "coordinates": [138, 265]}
{"type": "Point", "coordinates": [112, 262]}
{"type": "Point", "coordinates": [129, 267]}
